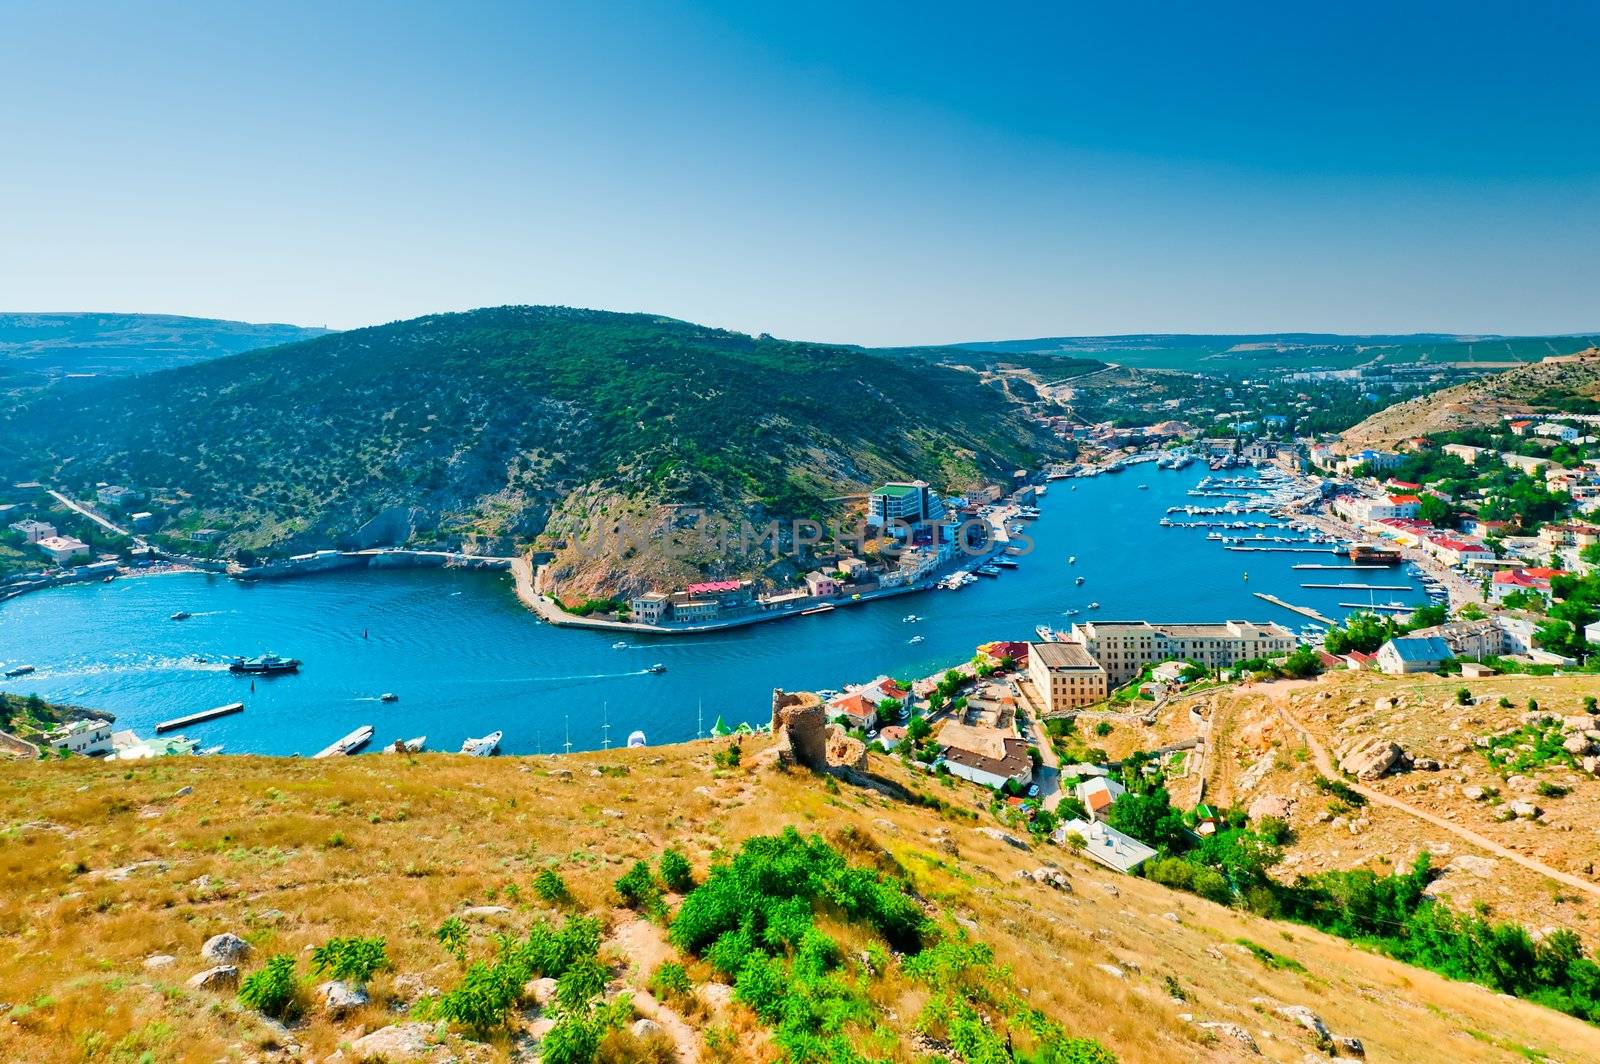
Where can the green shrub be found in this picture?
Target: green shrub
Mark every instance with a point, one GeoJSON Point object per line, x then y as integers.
{"type": "Point", "coordinates": [675, 872]}
{"type": "Point", "coordinates": [272, 988]}
{"type": "Point", "coordinates": [452, 935]}
{"type": "Point", "coordinates": [637, 887]}
{"type": "Point", "coordinates": [1463, 697]}
{"type": "Point", "coordinates": [669, 981]}
{"type": "Point", "coordinates": [550, 887]}
{"type": "Point", "coordinates": [351, 960]}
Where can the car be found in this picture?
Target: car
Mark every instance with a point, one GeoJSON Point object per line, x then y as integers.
{"type": "Point", "coordinates": [1033, 791]}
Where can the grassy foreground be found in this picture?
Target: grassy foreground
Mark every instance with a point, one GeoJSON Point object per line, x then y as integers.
{"type": "Point", "coordinates": [103, 867]}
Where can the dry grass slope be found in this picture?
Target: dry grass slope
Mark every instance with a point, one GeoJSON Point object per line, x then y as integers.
{"type": "Point", "coordinates": [102, 867]}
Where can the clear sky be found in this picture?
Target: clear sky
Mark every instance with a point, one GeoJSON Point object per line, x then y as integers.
{"type": "Point", "coordinates": [909, 173]}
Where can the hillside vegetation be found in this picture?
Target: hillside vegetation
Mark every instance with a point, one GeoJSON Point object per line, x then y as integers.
{"type": "Point", "coordinates": [1541, 387]}
{"type": "Point", "coordinates": [521, 908]}
{"type": "Point", "coordinates": [482, 429]}
{"type": "Point", "coordinates": [127, 343]}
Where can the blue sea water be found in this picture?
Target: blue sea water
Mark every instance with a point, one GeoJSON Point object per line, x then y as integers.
{"type": "Point", "coordinates": [465, 658]}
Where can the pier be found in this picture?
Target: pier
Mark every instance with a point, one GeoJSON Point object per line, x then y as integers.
{"type": "Point", "coordinates": [1359, 587]}
{"type": "Point", "coordinates": [1321, 565]}
{"type": "Point", "coordinates": [1287, 550]}
{"type": "Point", "coordinates": [203, 715]}
{"type": "Point", "coordinates": [1390, 608]}
{"type": "Point", "coordinates": [349, 744]}
{"type": "Point", "coordinates": [1304, 611]}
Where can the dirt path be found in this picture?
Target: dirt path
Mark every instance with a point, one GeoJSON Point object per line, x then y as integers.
{"type": "Point", "coordinates": [1325, 765]}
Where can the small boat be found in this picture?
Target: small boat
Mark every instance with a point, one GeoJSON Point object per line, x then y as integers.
{"type": "Point", "coordinates": [1079, 581]}
{"type": "Point", "coordinates": [265, 665]}
{"type": "Point", "coordinates": [1044, 632]}
{"type": "Point", "coordinates": [988, 570]}
{"type": "Point", "coordinates": [1144, 487]}
{"type": "Point", "coordinates": [406, 746]}
{"type": "Point", "coordinates": [1094, 605]}
{"type": "Point", "coordinates": [20, 670]}
{"type": "Point", "coordinates": [388, 696]}
{"type": "Point", "coordinates": [1072, 560]}
{"type": "Point", "coordinates": [621, 644]}
{"type": "Point", "coordinates": [1072, 613]}
{"type": "Point", "coordinates": [349, 744]}
{"type": "Point", "coordinates": [910, 618]}
{"type": "Point", "coordinates": [482, 747]}
{"type": "Point", "coordinates": [181, 615]}
{"type": "Point", "coordinates": [914, 640]}
{"type": "Point", "coordinates": [657, 668]}
{"type": "Point", "coordinates": [636, 739]}
{"type": "Point", "coordinates": [210, 751]}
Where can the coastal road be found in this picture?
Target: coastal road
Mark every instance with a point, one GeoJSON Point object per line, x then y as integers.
{"type": "Point", "coordinates": [1325, 765]}
{"type": "Point", "coordinates": [91, 515]}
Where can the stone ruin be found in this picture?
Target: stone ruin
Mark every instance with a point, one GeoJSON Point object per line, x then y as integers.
{"type": "Point", "coordinates": [804, 737]}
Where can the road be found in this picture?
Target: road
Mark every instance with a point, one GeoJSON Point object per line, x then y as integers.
{"type": "Point", "coordinates": [91, 515]}
{"type": "Point", "coordinates": [1325, 766]}
{"type": "Point", "coordinates": [1049, 775]}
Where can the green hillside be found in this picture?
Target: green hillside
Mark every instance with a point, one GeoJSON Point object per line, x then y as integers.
{"type": "Point", "coordinates": [127, 343]}
{"type": "Point", "coordinates": [484, 425]}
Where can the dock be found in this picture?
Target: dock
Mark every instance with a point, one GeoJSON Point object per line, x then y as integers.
{"type": "Point", "coordinates": [1304, 611]}
{"type": "Point", "coordinates": [1379, 606]}
{"type": "Point", "coordinates": [1359, 587]}
{"type": "Point", "coordinates": [1340, 568]}
{"type": "Point", "coordinates": [349, 744]}
{"type": "Point", "coordinates": [203, 715]}
{"type": "Point", "coordinates": [1288, 550]}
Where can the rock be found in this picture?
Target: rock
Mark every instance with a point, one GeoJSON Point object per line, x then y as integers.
{"type": "Point", "coordinates": [1577, 745]}
{"type": "Point", "coordinates": [222, 977]}
{"type": "Point", "coordinates": [339, 998]}
{"type": "Point", "coordinates": [714, 995]}
{"type": "Point", "coordinates": [614, 814]}
{"type": "Point", "coordinates": [1232, 1030]}
{"type": "Point", "coordinates": [160, 960]}
{"type": "Point", "coordinates": [1591, 765]}
{"type": "Point", "coordinates": [1525, 810]}
{"type": "Point", "coordinates": [1307, 1019]}
{"type": "Point", "coordinates": [643, 1028]}
{"type": "Point", "coordinates": [1426, 764]}
{"type": "Point", "coordinates": [1112, 970]}
{"type": "Point", "coordinates": [1383, 705]}
{"type": "Point", "coordinates": [1472, 794]}
{"type": "Point", "coordinates": [1350, 1045]}
{"type": "Point", "coordinates": [1000, 836]}
{"type": "Point", "coordinates": [543, 991]}
{"type": "Point", "coordinates": [484, 912]}
{"type": "Point", "coordinates": [225, 948]}
{"type": "Point", "coordinates": [183, 792]}
{"type": "Point", "coordinates": [397, 1043]}
{"type": "Point", "coordinates": [1473, 865]}
{"type": "Point", "coordinates": [1270, 805]}
{"type": "Point", "coordinates": [1370, 758]}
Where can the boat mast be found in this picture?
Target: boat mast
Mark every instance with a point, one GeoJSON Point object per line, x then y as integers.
{"type": "Point", "coordinates": [605, 727]}
{"type": "Point", "coordinates": [567, 720]}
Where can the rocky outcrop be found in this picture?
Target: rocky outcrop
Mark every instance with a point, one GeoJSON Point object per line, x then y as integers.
{"type": "Point", "coordinates": [1370, 758]}
{"type": "Point", "coordinates": [225, 948]}
{"type": "Point", "coordinates": [1271, 805]}
{"type": "Point", "coordinates": [222, 977]}
{"type": "Point", "coordinates": [396, 1043]}
{"type": "Point", "coordinates": [339, 998]}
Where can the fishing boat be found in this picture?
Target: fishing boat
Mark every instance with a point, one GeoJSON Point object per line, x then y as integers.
{"type": "Point", "coordinates": [914, 640]}
{"type": "Point", "coordinates": [621, 644]}
{"type": "Point", "coordinates": [406, 746]}
{"type": "Point", "coordinates": [1079, 581]}
{"type": "Point", "coordinates": [266, 665]}
{"type": "Point", "coordinates": [1094, 605]}
{"type": "Point", "coordinates": [181, 615]}
{"type": "Point", "coordinates": [636, 739]}
{"type": "Point", "coordinates": [20, 670]}
{"type": "Point", "coordinates": [349, 744]}
{"type": "Point", "coordinates": [657, 668]}
{"type": "Point", "coordinates": [483, 747]}
{"type": "Point", "coordinates": [388, 696]}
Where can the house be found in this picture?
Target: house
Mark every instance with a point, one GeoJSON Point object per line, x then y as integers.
{"type": "Point", "coordinates": [1474, 670]}
{"type": "Point", "coordinates": [985, 756]}
{"type": "Point", "coordinates": [1407, 654]}
{"type": "Point", "coordinates": [1207, 820]}
{"type": "Point", "coordinates": [62, 549]}
{"type": "Point", "coordinates": [1553, 430]}
{"type": "Point", "coordinates": [90, 737]}
{"type": "Point", "coordinates": [1520, 428]}
{"type": "Point", "coordinates": [820, 585]}
{"type": "Point", "coordinates": [853, 710]}
{"type": "Point", "coordinates": [1098, 794]}
{"type": "Point", "coordinates": [115, 495]}
{"type": "Point", "coordinates": [648, 608]}
{"type": "Point", "coordinates": [891, 736]}
{"type": "Point", "coordinates": [34, 531]}
{"type": "Point", "coordinates": [206, 535]}
{"type": "Point", "coordinates": [1534, 580]}
{"type": "Point", "coordinates": [1357, 661]}
{"type": "Point", "coordinates": [1006, 650]}
{"type": "Point", "coordinates": [1065, 675]}
{"type": "Point", "coordinates": [1107, 845]}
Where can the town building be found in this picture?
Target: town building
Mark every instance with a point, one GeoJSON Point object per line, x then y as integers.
{"type": "Point", "coordinates": [62, 549]}
{"type": "Point", "coordinates": [1124, 648]}
{"type": "Point", "coordinates": [88, 737]}
{"type": "Point", "coordinates": [115, 495]}
{"type": "Point", "coordinates": [1107, 845]}
{"type": "Point", "coordinates": [1408, 654]}
{"type": "Point", "coordinates": [33, 531]}
{"type": "Point", "coordinates": [913, 503]}
{"type": "Point", "coordinates": [986, 756]}
{"type": "Point", "coordinates": [1065, 675]}
{"type": "Point", "coordinates": [1466, 452]}
{"type": "Point", "coordinates": [649, 608]}
{"type": "Point", "coordinates": [821, 585]}
{"type": "Point", "coordinates": [1098, 794]}
{"type": "Point", "coordinates": [1533, 580]}
{"type": "Point", "coordinates": [1364, 509]}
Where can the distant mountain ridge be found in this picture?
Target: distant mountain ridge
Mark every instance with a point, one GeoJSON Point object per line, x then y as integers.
{"type": "Point", "coordinates": [103, 343]}
{"type": "Point", "coordinates": [490, 428]}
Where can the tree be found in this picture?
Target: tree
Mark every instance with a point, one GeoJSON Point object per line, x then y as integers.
{"type": "Point", "coordinates": [1436, 511]}
{"type": "Point", "coordinates": [1302, 663]}
{"type": "Point", "coordinates": [1151, 819]}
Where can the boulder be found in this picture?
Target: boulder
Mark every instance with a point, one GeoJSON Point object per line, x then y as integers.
{"type": "Point", "coordinates": [714, 995]}
{"type": "Point", "coordinates": [484, 912]}
{"type": "Point", "coordinates": [160, 960]}
{"type": "Point", "coordinates": [1473, 793]}
{"type": "Point", "coordinates": [225, 948]}
{"type": "Point", "coordinates": [1370, 758]}
{"type": "Point", "coordinates": [1307, 1019]}
{"type": "Point", "coordinates": [1350, 1045]}
{"type": "Point", "coordinates": [1577, 745]}
{"type": "Point", "coordinates": [396, 1043]}
{"type": "Point", "coordinates": [542, 991]}
{"type": "Point", "coordinates": [643, 1028]}
{"type": "Point", "coordinates": [183, 792]}
{"type": "Point", "coordinates": [1000, 836]}
{"type": "Point", "coordinates": [1271, 805]}
{"type": "Point", "coordinates": [1525, 810]}
{"type": "Point", "coordinates": [1232, 1030]}
{"type": "Point", "coordinates": [339, 998]}
{"type": "Point", "coordinates": [222, 977]}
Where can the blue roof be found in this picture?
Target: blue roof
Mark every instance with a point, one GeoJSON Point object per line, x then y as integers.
{"type": "Point", "coordinates": [1421, 648]}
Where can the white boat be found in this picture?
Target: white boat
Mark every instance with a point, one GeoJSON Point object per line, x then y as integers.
{"type": "Point", "coordinates": [914, 640]}
{"type": "Point", "coordinates": [388, 696]}
{"type": "Point", "coordinates": [636, 738]}
{"type": "Point", "coordinates": [910, 618]}
{"type": "Point", "coordinates": [406, 746]}
{"type": "Point", "coordinates": [1079, 581]}
{"type": "Point", "coordinates": [621, 644]}
{"type": "Point", "coordinates": [1072, 560]}
{"type": "Point", "coordinates": [482, 747]}
{"type": "Point", "coordinates": [1094, 605]}
{"type": "Point", "coordinates": [1071, 613]}
{"type": "Point", "coordinates": [349, 744]}
{"type": "Point", "coordinates": [1045, 633]}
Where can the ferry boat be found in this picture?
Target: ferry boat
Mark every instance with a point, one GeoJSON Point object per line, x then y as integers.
{"type": "Point", "coordinates": [20, 670]}
{"type": "Point", "coordinates": [266, 665]}
{"type": "Point", "coordinates": [349, 744]}
{"type": "Point", "coordinates": [483, 747]}
{"type": "Point", "coordinates": [1370, 553]}
{"type": "Point", "coordinates": [388, 696]}
{"type": "Point", "coordinates": [1045, 633]}
{"type": "Point", "coordinates": [406, 746]}
{"type": "Point", "coordinates": [657, 668]}
{"type": "Point", "coordinates": [181, 615]}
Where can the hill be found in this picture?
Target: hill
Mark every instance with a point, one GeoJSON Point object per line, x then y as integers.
{"type": "Point", "coordinates": [114, 344]}
{"type": "Point", "coordinates": [1560, 384]}
{"type": "Point", "coordinates": [115, 875]}
{"type": "Point", "coordinates": [488, 428]}
{"type": "Point", "coordinates": [1286, 352]}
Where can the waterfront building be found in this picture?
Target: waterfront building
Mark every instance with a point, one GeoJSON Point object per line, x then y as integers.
{"type": "Point", "coordinates": [649, 608]}
{"type": "Point", "coordinates": [985, 756]}
{"type": "Point", "coordinates": [1364, 509]}
{"type": "Point", "coordinates": [1065, 675]}
{"type": "Point", "coordinates": [821, 585]}
{"type": "Point", "coordinates": [33, 531]}
{"type": "Point", "coordinates": [1124, 648]}
{"type": "Point", "coordinates": [63, 548]}
{"type": "Point", "coordinates": [89, 737]}
{"type": "Point", "coordinates": [914, 503]}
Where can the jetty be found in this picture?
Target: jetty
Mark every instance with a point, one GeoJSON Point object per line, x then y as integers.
{"type": "Point", "coordinates": [196, 718]}
{"type": "Point", "coordinates": [349, 744]}
{"type": "Point", "coordinates": [1340, 568]}
{"type": "Point", "coordinates": [1304, 611]}
{"type": "Point", "coordinates": [1359, 587]}
{"type": "Point", "coordinates": [1324, 549]}
{"type": "Point", "coordinates": [1388, 607]}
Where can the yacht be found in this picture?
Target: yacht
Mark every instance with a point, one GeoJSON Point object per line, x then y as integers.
{"type": "Point", "coordinates": [1073, 560]}
{"type": "Point", "coordinates": [1094, 605]}
{"type": "Point", "coordinates": [914, 640]}
{"type": "Point", "coordinates": [1045, 633]}
{"type": "Point", "coordinates": [621, 644]}
{"type": "Point", "coordinates": [483, 747]}
{"type": "Point", "coordinates": [657, 668]}
{"type": "Point", "coordinates": [266, 665]}
{"type": "Point", "coordinates": [181, 615]}
{"type": "Point", "coordinates": [388, 696]}
{"type": "Point", "coordinates": [910, 618]}
{"type": "Point", "coordinates": [406, 746]}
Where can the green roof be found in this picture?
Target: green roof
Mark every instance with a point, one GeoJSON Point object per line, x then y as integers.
{"type": "Point", "coordinates": [898, 491]}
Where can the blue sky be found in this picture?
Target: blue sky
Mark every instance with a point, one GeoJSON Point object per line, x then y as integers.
{"type": "Point", "coordinates": [915, 173]}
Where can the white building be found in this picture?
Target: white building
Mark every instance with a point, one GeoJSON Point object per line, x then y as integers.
{"type": "Point", "coordinates": [1124, 648]}
{"type": "Point", "coordinates": [82, 737]}
{"type": "Point", "coordinates": [1108, 845]}
{"type": "Point", "coordinates": [34, 531]}
{"type": "Point", "coordinates": [1065, 675]}
{"type": "Point", "coordinates": [63, 548]}
{"type": "Point", "coordinates": [913, 503]}
{"type": "Point", "coordinates": [1408, 654]}
{"type": "Point", "coordinates": [986, 756]}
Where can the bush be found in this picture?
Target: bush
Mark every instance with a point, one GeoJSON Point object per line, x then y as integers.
{"type": "Point", "coordinates": [272, 988]}
{"type": "Point", "coordinates": [637, 887]}
{"type": "Point", "coordinates": [669, 981]}
{"type": "Point", "coordinates": [1463, 697]}
{"type": "Point", "coordinates": [452, 935]}
{"type": "Point", "coordinates": [551, 888]}
{"type": "Point", "coordinates": [350, 960]}
{"type": "Point", "coordinates": [675, 872]}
